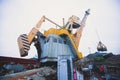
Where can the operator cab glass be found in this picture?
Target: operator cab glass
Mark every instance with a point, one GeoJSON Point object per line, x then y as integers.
{"type": "Point", "coordinates": [75, 25]}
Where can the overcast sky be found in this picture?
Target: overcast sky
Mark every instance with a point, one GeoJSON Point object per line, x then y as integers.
{"type": "Point", "coordinates": [19, 16]}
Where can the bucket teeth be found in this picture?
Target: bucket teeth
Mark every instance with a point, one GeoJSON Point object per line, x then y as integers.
{"type": "Point", "coordinates": [23, 44]}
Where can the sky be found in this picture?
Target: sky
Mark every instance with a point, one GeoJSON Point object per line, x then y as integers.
{"type": "Point", "coordinates": [20, 16]}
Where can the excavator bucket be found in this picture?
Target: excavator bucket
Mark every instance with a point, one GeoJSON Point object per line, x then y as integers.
{"type": "Point", "coordinates": [23, 44]}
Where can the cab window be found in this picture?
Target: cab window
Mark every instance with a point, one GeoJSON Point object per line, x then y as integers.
{"type": "Point", "coordinates": [47, 40]}
{"type": "Point", "coordinates": [54, 40]}
{"type": "Point", "coordinates": [60, 41]}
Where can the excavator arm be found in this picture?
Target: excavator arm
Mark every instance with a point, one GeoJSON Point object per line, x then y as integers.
{"type": "Point", "coordinates": [35, 29]}
{"type": "Point", "coordinates": [24, 41]}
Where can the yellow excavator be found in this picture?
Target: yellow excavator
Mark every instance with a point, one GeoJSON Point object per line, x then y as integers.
{"type": "Point", "coordinates": [58, 47]}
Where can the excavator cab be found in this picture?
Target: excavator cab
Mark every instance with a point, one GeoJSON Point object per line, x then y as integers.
{"type": "Point", "coordinates": [76, 21]}
{"type": "Point", "coordinates": [73, 23]}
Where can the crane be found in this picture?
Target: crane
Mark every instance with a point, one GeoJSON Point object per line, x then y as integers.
{"type": "Point", "coordinates": [56, 47]}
